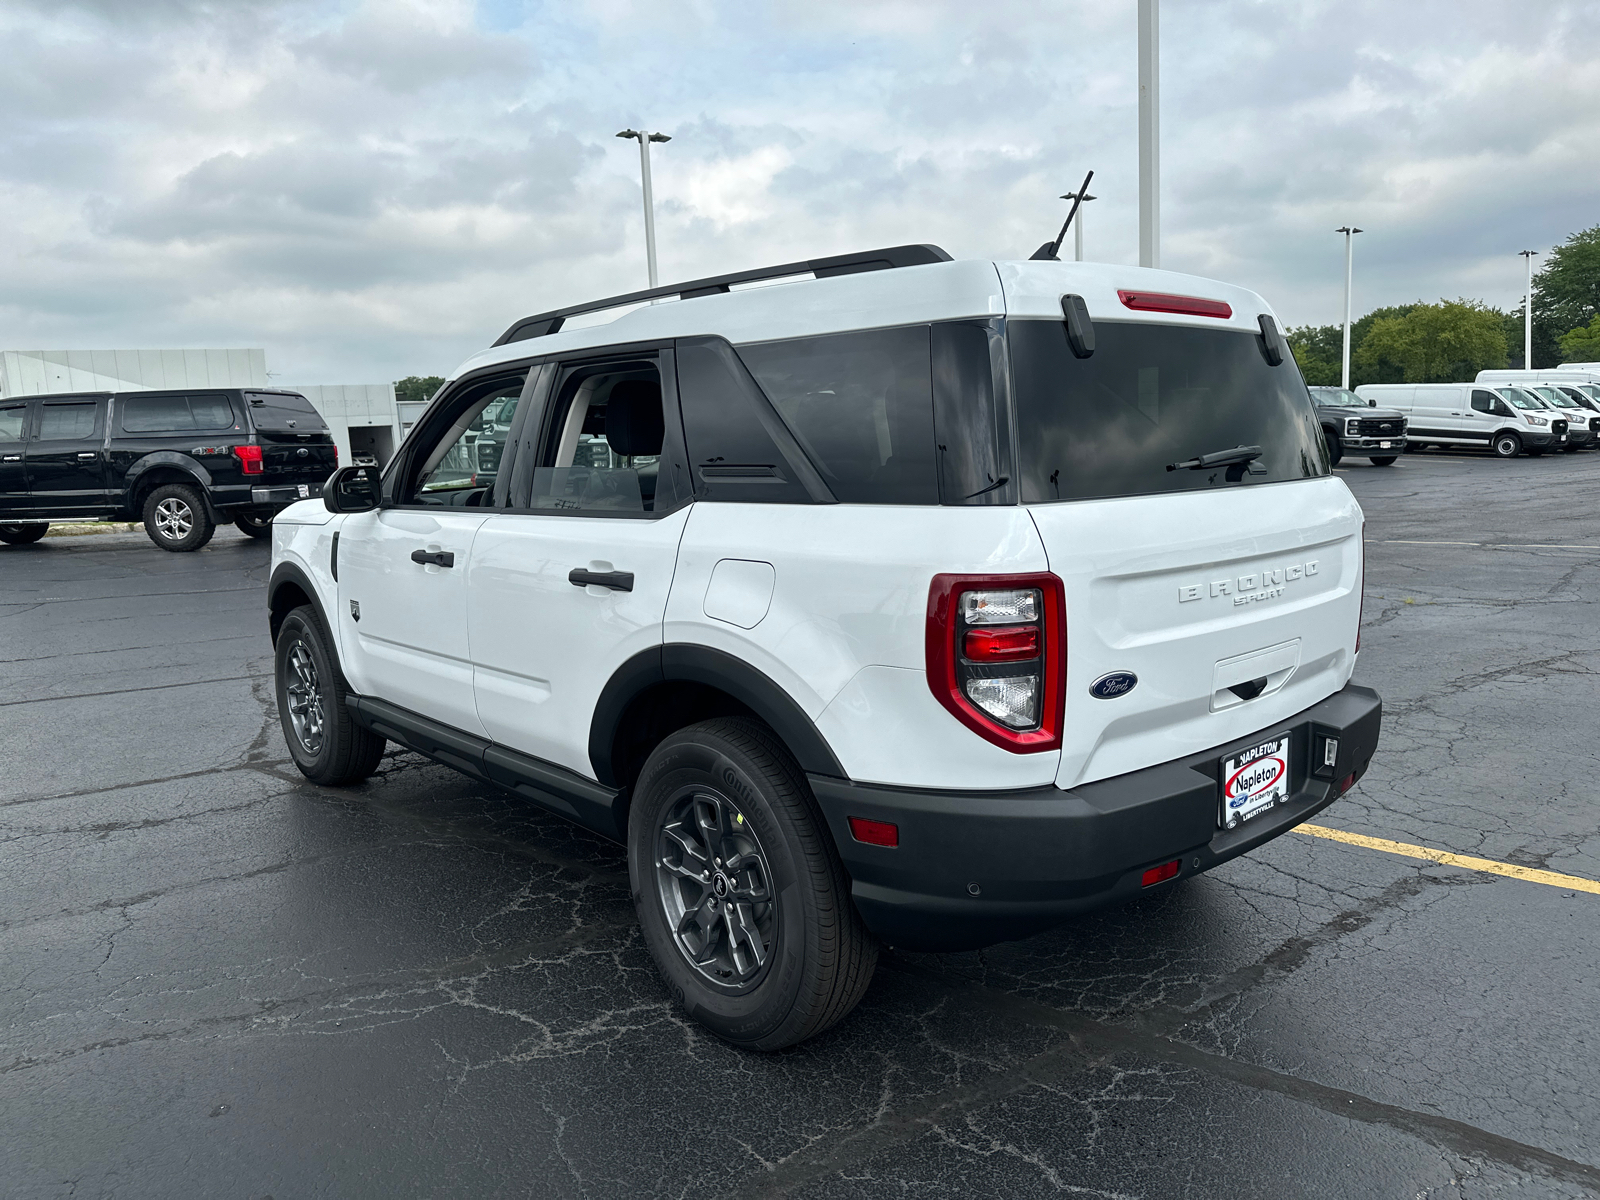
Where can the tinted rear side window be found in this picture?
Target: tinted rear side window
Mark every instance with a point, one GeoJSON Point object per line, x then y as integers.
{"type": "Point", "coordinates": [284, 413]}
{"type": "Point", "coordinates": [67, 422]}
{"type": "Point", "coordinates": [861, 405]}
{"type": "Point", "coordinates": [164, 413]}
{"type": "Point", "coordinates": [1148, 397]}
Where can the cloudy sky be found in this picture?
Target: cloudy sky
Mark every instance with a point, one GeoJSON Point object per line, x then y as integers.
{"type": "Point", "coordinates": [377, 188]}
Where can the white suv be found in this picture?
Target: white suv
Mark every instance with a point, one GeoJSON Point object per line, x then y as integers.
{"type": "Point", "coordinates": [915, 600]}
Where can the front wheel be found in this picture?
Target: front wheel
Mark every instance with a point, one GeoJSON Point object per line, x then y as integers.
{"type": "Point", "coordinates": [1335, 447]}
{"type": "Point", "coordinates": [739, 889]}
{"type": "Point", "coordinates": [1507, 445]}
{"type": "Point", "coordinates": [252, 525]}
{"type": "Point", "coordinates": [176, 519]}
{"type": "Point", "coordinates": [1386, 461]}
{"type": "Point", "coordinates": [324, 742]}
{"type": "Point", "coordinates": [21, 535]}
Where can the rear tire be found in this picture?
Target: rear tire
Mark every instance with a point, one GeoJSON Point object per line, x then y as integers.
{"type": "Point", "coordinates": [253, 526]}
{"type": "Point", "coordinates": [326, 745]}
{"type": "Point", "coordinates": [176, 518]}
{"type": "Point", "coordinates": [769, 953]}
{"type": "Point", "coordinates": [1386, 461]}
{"type": "Point", "coordinates": [22, 535]}
{"type": "Point", "coordinates": [1506, 445]}
{"type": "Point", "coordinates": [1335, 447]}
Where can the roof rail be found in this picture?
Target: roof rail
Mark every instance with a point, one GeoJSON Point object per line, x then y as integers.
{"type": "Point", "coordinates": [822, 268]}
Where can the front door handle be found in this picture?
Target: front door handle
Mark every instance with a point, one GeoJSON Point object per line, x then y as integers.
{"type": "Point", "coordinates": [87, 454]}
{"type": "Point", "coordinates": [617, 581]}
{"type": "Point", "coordinates": [12, 458]}
{"type": "Point", "coordinates": [437, 558]}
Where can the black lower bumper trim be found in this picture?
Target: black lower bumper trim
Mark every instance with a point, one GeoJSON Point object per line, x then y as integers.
{"type": "Point", "coordinates": [975, 868]}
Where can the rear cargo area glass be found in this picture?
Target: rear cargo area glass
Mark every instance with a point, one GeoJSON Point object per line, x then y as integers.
{"type": "Point", "coordinates": [1149, 396]}
{"type": "Point", "coordinates": [281, 413]}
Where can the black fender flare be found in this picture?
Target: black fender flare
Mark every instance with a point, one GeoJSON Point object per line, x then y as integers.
{"type": "Point", "coordinates": [693, 663]}
{"type": "Point", "coordinates": [169, 458]}
{"type": "Point", "coordinates": [290, 573]}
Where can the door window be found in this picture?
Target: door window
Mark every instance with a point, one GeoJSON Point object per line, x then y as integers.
{"type": "Point", "coordinates": [11, 421]}
{"type": "Point", "coordinates": [603, 443]}
{"type": "Point", "coordinates": [461, 468]}
{"type": "Point", "coordinates": [67, 422]}
{"type": "Point", "coordinates": [1483, 401]}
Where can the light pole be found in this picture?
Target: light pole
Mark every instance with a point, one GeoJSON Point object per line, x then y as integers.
{"type": "Point", "coordinates": [1349, 243]}
{"type": "Point", "coordinates": [1083, 197]}
{"type": "Point", "coordinates": [1527, 313]}
{"type": "Point", "coordinates": [645, 138]}
{"type": "Point", "coordinates": [1149, 135]}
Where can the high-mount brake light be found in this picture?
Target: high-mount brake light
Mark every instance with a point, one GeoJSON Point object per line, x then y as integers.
{"type": "Point", "coordinates": [249, 459]}
{"type": "Point", "coordinates": [1191, 306]}
{"type": "Point", "coordinates": [997, 656]}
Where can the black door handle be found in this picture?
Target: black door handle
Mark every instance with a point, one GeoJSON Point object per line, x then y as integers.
{"type": "Point", "coordinates": [438, 558]}
{"type": "Point", "coordinates": [617, 581]}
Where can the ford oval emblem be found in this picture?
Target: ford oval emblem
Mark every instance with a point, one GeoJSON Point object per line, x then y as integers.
{"type": "Point", "coordinates": [1113, 684]}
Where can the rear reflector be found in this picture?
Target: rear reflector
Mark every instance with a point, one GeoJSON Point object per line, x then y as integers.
{"type": "Point", "coordinates": [874, 833]}
{"type": "Point", "coordinates": [1193, 306]}
{"type": "Point", "coordinates": [1162, 873]}
{"type": "Point", "coordinates": [1345, 784]}
{"type": "Point", "coordinates": [1002, 644]}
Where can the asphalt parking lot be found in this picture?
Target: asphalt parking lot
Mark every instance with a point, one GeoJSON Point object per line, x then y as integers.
{"type": "Point", "coordinates": [220, 980]}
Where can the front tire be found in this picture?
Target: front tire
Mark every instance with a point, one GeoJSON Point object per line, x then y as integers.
{"type": "Point", "coordinates": [1386, 461]}
{"type": "Point", "coordinates": [1507, 445]}
{"type": "Point", "coordinates": [1335, 447]}
{"type": "Point", "coordinates": [326, 745]}
{"type": "Point", "coordinates": [22, 535]}
{"type": "Point", "coordinates": [253, 526]}
{"type": "Point", "coordinates": [739, 889]}
{"type": "Point", "coordinates": [176, 518]}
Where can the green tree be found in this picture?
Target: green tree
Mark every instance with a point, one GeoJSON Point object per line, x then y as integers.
{"type": "Point", "coordinates": [1437, 343]}
{"type": "Point", "coordinates": [1376, 368]}
{"type": "Point", "coordinates": [1582, 344]}
{"type": "Point", "coordinates": [1317, 350]}
{"type": "Point", "coordinates": [417, 387]}
{"type": "Point", "coordinates": [1566, 294]}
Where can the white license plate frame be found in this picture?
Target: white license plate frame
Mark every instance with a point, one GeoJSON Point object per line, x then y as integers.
{"type": "Point", "coordinates": [1254, 781]}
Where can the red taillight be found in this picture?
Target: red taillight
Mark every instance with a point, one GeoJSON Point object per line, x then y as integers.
{"type": "Point", "coordinates": [1002, 645]}
{"type": "Point", "coordinates": [1361, 611]}
{"type": "Point", "coordinates": [1191, 306]}
{"type": "Point", "coordinates": [249, 459]}
{"type": "Point", "coordinates": [874, 833]}
{"type": "Point", "coordinates": [997, 656]}
{"type": "Point", "coordinates": [1161, 874]}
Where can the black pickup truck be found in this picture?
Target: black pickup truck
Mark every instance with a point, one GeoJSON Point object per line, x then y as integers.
{"type": "Point", "coordinates": [1352, 426]}
{"type": "Point", "coordinates": [181, 461]}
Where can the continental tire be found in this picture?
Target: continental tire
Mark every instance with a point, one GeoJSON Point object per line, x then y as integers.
{"type": "Point", "coordinates": [21, 535]}
{"type": "Point", "coordinates": [176, 518]}
{"type": "Point", "coordinates": [1506, 445]}
{"type": "Point", "coordinates": [742, 898]}
{"type": "Point", "coordinates": [324, 742]}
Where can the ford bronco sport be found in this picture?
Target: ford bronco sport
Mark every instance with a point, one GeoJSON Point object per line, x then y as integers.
{"type": "Point", "coordinates": [911, 601]}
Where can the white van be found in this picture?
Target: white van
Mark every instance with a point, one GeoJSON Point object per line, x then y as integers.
{"type": "Point", "coordinates": [1582, 423]}
{"type": "Point", "coordinates": [1582, 384]}
{"type": "Point", "coordinates": [1504, 419]}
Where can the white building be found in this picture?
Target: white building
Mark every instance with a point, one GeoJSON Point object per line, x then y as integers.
{"type": "Point", "coordinates": [363, 417]}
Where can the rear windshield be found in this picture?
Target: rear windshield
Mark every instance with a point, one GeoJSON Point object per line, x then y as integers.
{"type": "Point", "coordinates": [165, 413]}
{"type": "Point", "coordinates": [281, 413]}
{"type": "Point", "coordinates": [1151, 396]}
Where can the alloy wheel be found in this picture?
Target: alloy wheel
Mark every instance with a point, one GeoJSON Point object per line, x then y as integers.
{"type": "Point", "coordinates": [304, 692]}
{"type": "Point", "coordinates": [174, 519]}
{"type": "Point", "coordinates": [716, 888]}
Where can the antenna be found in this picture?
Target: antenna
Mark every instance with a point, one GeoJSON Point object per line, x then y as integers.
{"type": "Point", "coordinates": [1049, 250]}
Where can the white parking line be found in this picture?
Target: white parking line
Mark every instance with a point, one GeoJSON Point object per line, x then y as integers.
{"type": "Point", "coordinates": [1488, 545]}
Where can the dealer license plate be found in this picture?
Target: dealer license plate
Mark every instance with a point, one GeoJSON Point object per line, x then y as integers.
{"type": "Point", "coordinates": [1383, 445]}
{"type": "Point", "coordinates": [1254, 781]}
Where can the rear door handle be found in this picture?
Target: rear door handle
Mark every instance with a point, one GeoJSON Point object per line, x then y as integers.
{"type": "Point", "coordinates": [617, 581]}
{"type": "Point", "coordinates": [437, 558]}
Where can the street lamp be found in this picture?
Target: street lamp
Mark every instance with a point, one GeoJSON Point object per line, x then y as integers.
{"type": "Point", "coordinates": [1527, 313]}
{"type": "Point", "coordinates": [645, 138]}
{"type": "Point", "coordinates": [1149, 134]}
{"type": "Point", "coordinates": [1083, 197]}
{"type": "Point", "coordinates": [1349, 236]}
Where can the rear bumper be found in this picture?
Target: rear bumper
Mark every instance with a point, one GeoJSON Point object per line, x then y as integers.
{"type": "Point", "coordinates": [1041, 855]}
{"type": "Point", "coordinates": [285, 493]}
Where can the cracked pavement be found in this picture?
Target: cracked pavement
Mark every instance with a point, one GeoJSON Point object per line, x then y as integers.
{"type": "Point", "coordinates": [222, 980]}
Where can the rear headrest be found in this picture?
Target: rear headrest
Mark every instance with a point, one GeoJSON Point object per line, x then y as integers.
{"type": "Point", "coordinates": [633, 418]}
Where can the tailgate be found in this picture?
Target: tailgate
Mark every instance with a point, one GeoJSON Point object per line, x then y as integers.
{"type": "Point", "coordinates": [1235, 609]}
{"type": "Point", "coordinates": [297, 457]}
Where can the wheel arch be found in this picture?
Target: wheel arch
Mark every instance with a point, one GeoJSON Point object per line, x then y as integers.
{"type": "Point", "coordinates": [288, 589]}
{"type": "Point", "coordinates": [669, 687]}
{"type": "Point", "coordinates": [161, 467]}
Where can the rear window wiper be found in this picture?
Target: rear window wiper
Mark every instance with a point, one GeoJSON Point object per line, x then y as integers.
{"type": "Point", "coordinates": [1238, 456]}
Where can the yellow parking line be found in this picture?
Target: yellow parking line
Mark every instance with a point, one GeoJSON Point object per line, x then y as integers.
{"type": "Point", "coordinates": [1509, 870]}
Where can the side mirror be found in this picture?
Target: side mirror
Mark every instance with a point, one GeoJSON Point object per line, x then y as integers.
{"type": "Point", "coordinates": [351, 490]}
{"type": "Point", "coordinates": [1372, 404]}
